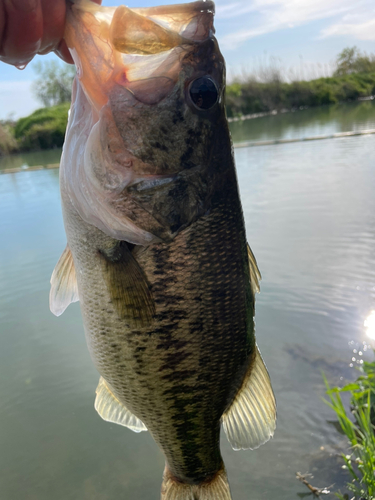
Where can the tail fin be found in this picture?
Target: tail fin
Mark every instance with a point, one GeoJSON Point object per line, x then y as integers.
{"type": "Point", "coordinates": [215, 489]}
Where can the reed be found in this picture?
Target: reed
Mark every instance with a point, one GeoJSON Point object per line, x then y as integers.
{"type": "Point", "coordinates": [8, 143]}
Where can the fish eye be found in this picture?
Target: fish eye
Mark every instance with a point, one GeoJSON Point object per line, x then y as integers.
{"type": "Point", "coordinates": [203, 92]}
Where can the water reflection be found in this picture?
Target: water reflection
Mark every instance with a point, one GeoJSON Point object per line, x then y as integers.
{"type": "Point", "coordinates": [370, 325]}
{"type": "Point", "coordinates": [24, 160]}
{"type": "Point", "coordinates": [325, 120]}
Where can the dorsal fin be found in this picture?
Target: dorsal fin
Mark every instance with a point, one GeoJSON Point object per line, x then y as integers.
{"type": "Point", "coordinates": [251, 419]}
{"type": "Point", "coordinates": [64, 288]}
{"type": "Point", "coordinates": [112, 410]}
{"type": "Point", "coordinates": [255, 275]}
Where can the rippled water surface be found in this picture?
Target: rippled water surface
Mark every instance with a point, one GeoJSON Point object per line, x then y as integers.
{"type": "Point", "coordinates": [310, 219]}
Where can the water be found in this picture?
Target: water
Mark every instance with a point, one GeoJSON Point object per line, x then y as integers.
{"type": "Point", "coordinates": [325, 120]}
{"type": "Point", "coordinates": [310, 219]}
{"type": "Point", "coordinates": [25, 160]}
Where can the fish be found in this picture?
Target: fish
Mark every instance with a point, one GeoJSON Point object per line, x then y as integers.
{"type": "Point", "coordinates": [156, 250]}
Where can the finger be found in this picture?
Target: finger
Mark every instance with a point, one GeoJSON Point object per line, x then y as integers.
{"type": "Point", "coordinates": [63, 52]}
{"type": "Point", "coordinates": [2, 22]}
{"type": "Point", "coordinates": [23, 31]}
{"type": "Point", "coordinates": [53, 24]}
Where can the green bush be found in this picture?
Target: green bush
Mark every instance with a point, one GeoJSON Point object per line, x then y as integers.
{"type": "Point", "coordinates": [43, 129]}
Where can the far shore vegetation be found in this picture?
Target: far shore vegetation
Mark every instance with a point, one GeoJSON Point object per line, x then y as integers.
{"type": "Point", "coordinates": [353, 78]}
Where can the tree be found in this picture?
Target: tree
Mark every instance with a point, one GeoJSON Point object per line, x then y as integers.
{"type": "Point", "coordinates": [54, 85]}
{"type": "Point", "coordinates": [352, 60]}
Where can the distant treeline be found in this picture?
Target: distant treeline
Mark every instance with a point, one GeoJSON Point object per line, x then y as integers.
{"type": "Point", "coordinates": [256, 97]}
{"type": "Point", "coordinates": [353, 78]}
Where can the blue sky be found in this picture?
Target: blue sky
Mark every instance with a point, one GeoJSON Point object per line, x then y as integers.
{"type": "Point", "coordinates": [302, 36]}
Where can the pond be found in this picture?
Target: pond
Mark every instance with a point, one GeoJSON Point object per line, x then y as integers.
{"type": "Point", "coordinates": [310, 218]}
{"type": "Point", "coordinates": [326, 120]}
{"type": "Point", "coordinates": [25, 160]}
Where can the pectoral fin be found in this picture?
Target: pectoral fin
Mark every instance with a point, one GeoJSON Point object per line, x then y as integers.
{"type": "Point", "coordinates": [255, 275]}
{"type": "Point", "coordinates": [128, 286]}
{"type": "Point", "coordinates": [64, 288]}
{"type": "Point", "coordinates": [251, 419]}
{"type": "Point", "coordinates": [112, 410]}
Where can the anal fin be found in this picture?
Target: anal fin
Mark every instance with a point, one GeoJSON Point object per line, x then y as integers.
{"type": "Point", "coordinates": [251, 419]}
{"type": "Point", "coordinates": [112, 410]}
{"type": "Point", "coordinates": [64, 289]}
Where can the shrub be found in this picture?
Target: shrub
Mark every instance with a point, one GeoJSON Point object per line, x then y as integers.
{"type": "Point", "coordinates": [43, 129]}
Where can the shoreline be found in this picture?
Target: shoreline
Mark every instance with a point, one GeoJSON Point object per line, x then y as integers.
{"type": "Point", "coordinates": [275, 112]}
{"type": "Point", "coordinates": [236, 145]}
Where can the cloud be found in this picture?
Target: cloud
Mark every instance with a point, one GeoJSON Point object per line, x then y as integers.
{"type": "Point", "coordinates": [266, 16]}
{"type": "Point", "coordinates": [17, 99]}
{"type": "Point", "coordinates": [361, 29]}
{"type": "Point", "coordinates": [227, 9]}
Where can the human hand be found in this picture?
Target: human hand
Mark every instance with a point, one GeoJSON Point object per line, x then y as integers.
{"type": "Point", "coordinates": [30, 27]}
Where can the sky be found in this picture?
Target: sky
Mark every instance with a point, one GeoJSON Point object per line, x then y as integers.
{"type": "Point", "coordinates": [303, 37]}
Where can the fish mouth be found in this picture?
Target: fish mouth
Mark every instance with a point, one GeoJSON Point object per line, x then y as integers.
{"type": "Point", "coordinates": [134, 33]}
{"type": "Point", "coordinates": [139, 49]}
{"type": "Point", "coordinates": [167, 23]}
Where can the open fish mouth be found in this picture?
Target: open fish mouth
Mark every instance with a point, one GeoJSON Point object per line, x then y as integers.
{"type": "Point", "coordinates": [190, 21]}
{"type": "Point", "coordinates": [140, 49]}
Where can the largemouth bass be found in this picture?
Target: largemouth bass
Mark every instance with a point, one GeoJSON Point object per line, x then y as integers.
{"type": "Point", "coordinates": [157, 252]}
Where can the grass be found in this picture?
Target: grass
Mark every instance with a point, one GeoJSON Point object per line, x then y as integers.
{"type": "Point", "coordinates": [360, 432]}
